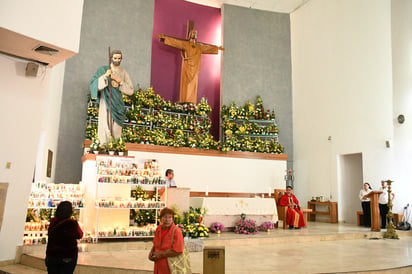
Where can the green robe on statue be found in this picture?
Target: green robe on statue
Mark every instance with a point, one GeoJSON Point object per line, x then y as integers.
{"type": "Point", "coordinates": [99, 89]}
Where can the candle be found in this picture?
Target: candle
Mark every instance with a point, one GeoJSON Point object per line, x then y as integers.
{"type": "Point", "coordinates": [207, 190]}
{"type": "Point", "coordinates": [269, 192]}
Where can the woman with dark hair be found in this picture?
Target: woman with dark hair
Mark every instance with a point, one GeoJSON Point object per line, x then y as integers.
{"type": "Point", "coordinates": [62, 251]}
{"type": "Point", "coordinates": [366, 204]}
{"type": "Point", "coordinates": [162, 242]}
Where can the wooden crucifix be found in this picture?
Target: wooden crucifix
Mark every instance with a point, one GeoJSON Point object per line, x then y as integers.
{"type": "Point", "coordinates": [191, 51]}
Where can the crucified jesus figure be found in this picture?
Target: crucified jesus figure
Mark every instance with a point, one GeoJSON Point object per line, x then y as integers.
{"type": "Point", "coordinates": [191, 54]}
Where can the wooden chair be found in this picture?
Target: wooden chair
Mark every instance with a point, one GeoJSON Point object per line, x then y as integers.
{"type": "Point", "coordinates": [282, 210]}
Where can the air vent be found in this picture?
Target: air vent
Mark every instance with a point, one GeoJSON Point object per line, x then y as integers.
{"type": "Point", "coordinates": [45, 50]}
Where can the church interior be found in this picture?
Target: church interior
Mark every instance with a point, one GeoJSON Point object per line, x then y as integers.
{"type": "Point", "coordinates": [324, 86]}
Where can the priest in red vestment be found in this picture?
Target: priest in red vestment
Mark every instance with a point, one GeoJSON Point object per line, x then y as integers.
{"type": "Point", "coordinates": [294, 216]}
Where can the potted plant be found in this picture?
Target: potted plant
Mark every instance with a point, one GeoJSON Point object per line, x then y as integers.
{"type": "Point", "coordinates": [245, 226]}
{"type": "Point", "coordinates": [111, 145]}
{"type": "Point", "coordinates": [267, 226]}
{"type": "Point", "coordinates": [217, 227]}
{"type": "Point", "coordinates": [95, 145]}
{"type": "Point", "coordinates": [103, 149]}
{"type": "Point", "coordinates": [120, 146]}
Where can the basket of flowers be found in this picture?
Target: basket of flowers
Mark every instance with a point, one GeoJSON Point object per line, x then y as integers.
{"type": "Point", "coordinates": [217, 227]}
{"type": "Point", "coordinates": [267, 226]}
{"type": "Point", "coordinates": [246, 226]}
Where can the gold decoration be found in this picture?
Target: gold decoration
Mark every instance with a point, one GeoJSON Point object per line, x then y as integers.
{"type": "Point", "coordinates": [391, 229]}
{"type": "Point", "coordinates": [115, 84]}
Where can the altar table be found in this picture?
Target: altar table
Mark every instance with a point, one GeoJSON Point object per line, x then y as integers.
{"type": "Point", "coordinates": [228, 210]}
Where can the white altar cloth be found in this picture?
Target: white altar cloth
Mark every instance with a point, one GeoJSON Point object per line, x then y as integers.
{"type": "Point", "coordinates": [227, 210]}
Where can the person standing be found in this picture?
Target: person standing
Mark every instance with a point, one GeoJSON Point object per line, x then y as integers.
{"type": "Point", "coordinates": [107, 85]}
{"type": "Point", "coordinates": [383, 203]}
{"type": "Point", "coordinates": [169, 178]}
{"type": "Point", "coordinates": [366, 204]}
{"type": "Point", "coordinates": [294, 215]}
{"type": "Point", "coordinates": [191, 55]}
{"type": "Point", "coordinates": [162, 242]}
{"type": "Point", "coordinates": [63, 233]}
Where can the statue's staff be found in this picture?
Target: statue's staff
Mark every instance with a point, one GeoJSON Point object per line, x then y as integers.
{"type": "Point", "coordinates": [110, 96]}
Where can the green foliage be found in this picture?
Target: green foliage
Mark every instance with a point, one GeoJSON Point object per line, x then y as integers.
{"type": "Point", "coordinates": [140, 193]}
{"type": "Point", "coordinates": [152, 120]}
{"type": "Point", "coordinates": [192, 225]}
{"type": "Point", "coordinates": [250, 128]}
{"type": "Point", "coordinates": [147, 216]}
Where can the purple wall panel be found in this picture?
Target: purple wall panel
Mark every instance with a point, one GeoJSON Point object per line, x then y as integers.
{"type": "Point", "coordinates": [170, 18]}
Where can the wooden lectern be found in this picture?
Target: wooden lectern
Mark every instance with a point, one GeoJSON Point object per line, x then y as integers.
{"type": "Point", "coordinates": [179, 197]}
{"type": "Point", "coordinates": [375, 217]}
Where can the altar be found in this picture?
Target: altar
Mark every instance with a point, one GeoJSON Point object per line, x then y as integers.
{"type": "Point", "coordinates": [227, 210]}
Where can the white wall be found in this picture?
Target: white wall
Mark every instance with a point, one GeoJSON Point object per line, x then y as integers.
{"type": "Point", "coordinates": [30, 106]}
{"type": "Point", "coordinates": [22, 105]}
{"type": "Point", "coordinates": [221, 174]}
{"type": "Point", "coordinates": [402, 97]}
{"type": "Point", "coordinates": [342, 87]}
{"type": "Point", "coordinates": [50, 125]}
{"type": "Point", "coordinates": [57, 22]}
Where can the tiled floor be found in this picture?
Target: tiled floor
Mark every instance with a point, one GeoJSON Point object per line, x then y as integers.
{"type": "Point", "coordinates": [320, 248]}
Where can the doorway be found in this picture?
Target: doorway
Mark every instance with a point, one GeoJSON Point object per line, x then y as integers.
{"type": "Point", "coordinates": [350, 181]}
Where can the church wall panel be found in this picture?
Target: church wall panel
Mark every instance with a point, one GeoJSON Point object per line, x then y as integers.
{"type": "Point", "coordinates": [257, 61]}
{"type": "Point", "coordinates": [125, 25]}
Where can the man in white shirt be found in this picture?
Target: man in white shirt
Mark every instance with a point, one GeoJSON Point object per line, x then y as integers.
{"type": "Point", "coordinates": [383, 203]}
{"type": "Point", "coordinates": [169, 178]}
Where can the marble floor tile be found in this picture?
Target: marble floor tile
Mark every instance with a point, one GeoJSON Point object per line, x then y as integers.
{"type": "Point", "coordinates": [320, 248]}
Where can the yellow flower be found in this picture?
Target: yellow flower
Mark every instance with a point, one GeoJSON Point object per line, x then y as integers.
{"type": "Point", "coordinates": [201, 234]}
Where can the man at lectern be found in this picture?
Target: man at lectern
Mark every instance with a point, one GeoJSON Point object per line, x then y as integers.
{"type": "Point", "coordinates": [169, 178]}
{"type": "Point", "coordinates": [383, 203]}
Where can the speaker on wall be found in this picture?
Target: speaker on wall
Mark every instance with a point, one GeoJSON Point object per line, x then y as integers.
{"type": "Point", "coordinates": [31, 69]}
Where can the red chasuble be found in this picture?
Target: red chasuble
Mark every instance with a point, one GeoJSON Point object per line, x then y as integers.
{"type": "Point", "coordinates": [294, 216]}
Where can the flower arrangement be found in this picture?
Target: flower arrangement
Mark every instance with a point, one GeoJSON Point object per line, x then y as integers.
{"type": "Point", "coordinates": [245, 128]}
{"type": "Point", "coordinates": [217, 227]}
{"type": "Point", "coordinates": [139, 193]}
{"type": "Point", "coordinates": [91, 130]}
{"type": "Point", "coordinates": [246, 226]}
{"type": "Point", "coordinates": [143, 217]}
{"type": "Point", "coordinates": [192, 225]}
{"type": "Point", "coordinates": [195, 230]}
{"type": "Point", "coordinates": [203, 107]}
{"type": "Point", "coordinates": [177, 218]}
{"type": "Point", "coordinates": [95, 145]}
{"type": "Point", "coordinates": [248, 111]}
{"type": "Point", "coordinates": [45, 214]}
{"type": "Point", "coordinates": [93, 111]}
{"type": "Point", "coordinates": [111, 145]}
{"type": "Point", "coordinates": [120, 145]}
{"type": "Point", "coordinates": [266, 226]}
{"type": "Point", "coordinates": [152, 120]}
{"type": "Point", "coordinates": [195, 215]}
